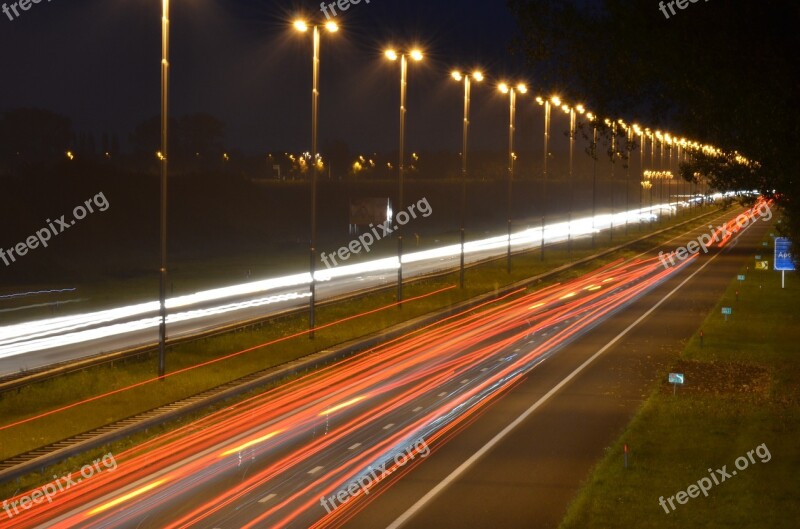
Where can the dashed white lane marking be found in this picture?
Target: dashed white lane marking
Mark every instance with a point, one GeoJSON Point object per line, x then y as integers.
{"type": "Point", "coordinates": [465, 381]}
{"type": "Point", "coordinates": [314, 470]}
{"type": "Point", "coordinates": [442, 394]}
{"type": "Point", "coordinates": [354, 446]}
{"type": "Point", "coordinates": [266, 498]}
{"type": "Point", "coordinates": [388, 426]}
{"type": "Point", "coordinates": [417, 409]}
{"type": "Point", "coordinates": [432, 493]}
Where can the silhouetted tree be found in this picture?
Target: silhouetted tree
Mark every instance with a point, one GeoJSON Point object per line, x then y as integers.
{"type": "Point", "coordinates": [723, 73]}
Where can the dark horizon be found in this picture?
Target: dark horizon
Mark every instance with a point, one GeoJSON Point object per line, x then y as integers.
{"type": "Point", "coordinates": [253, 58]}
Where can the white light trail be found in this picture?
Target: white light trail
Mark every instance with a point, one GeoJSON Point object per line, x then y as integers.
{"type": "Point", "coordinates": [68, 330]}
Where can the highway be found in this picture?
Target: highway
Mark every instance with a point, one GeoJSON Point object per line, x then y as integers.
{"type": "Point", "coordinates": [34, 344]}
{"type": "Point", "coordinates": [520, 464]}
{"type": "Point", "coordinates": [315, 452]}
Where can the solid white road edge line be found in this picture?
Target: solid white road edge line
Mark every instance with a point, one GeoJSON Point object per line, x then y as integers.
{"type": "Point", "coordinates": [403, 518]}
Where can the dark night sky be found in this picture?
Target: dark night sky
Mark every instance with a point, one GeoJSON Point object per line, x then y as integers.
{"type": "Point", "coordinates": [98, 62]}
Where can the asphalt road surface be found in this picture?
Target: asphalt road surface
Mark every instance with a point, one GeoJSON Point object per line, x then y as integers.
{"type": "Point", "coordinates": [366, 438]}
{"type": "Point", "coordinates": [493, 476]}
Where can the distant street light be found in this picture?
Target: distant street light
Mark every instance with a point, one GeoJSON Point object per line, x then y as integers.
{"type": "Point", "coordinates": [467, 78]}
{"type": "Point", "coordinates": [660, 138]}
{"type": "Point", "coordinates": [546, 152]}
{"type": "Point", "coordinates": [512, 112]}
{"type": "Point", "coordinates": [642, 140]}
{"type": "Point", "coordinates": [393, 55]}
{"type": "Point", "coordinates": [162, 283]}
{"type": "Point", "coordinates": [613, 126]}
{"type": "Point", "coordinates": [652, 162]}
{"type": "Point", "coordinates": [593, 119]}
{"type": "Point", "coordinates": [628, 137]}
{"type": "Point", "coordinates": [572, 131]}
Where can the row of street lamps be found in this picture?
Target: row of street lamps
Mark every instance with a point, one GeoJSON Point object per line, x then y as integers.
{"type": "Point", "coordinates": [401, 56]}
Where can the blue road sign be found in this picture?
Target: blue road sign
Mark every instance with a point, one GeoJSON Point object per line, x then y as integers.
{"type": "Point", "coordinates": [676, 378]}
{"type": "Point", "coordinates": [727, 311]}
{"type": "Point", "coordinates": [740, 277]}
{"type": "Point", "coordinates": [783, 254]}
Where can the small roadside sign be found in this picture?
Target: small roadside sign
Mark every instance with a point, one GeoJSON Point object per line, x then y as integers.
{"type": "Point", "coordinates": [783, 257]}
{"type": "Point", "coordinates": [740, 277]}
{"type": "Point", "coordinates": [758, 257]}
{"type": "Point", "coordinates": [676, 378]}
{"type": "Point", "coordinates": [783, 254]}
{"type": "Point", "coordinates": [762, 265]}
{"type": "Point", "coordinates": [727, 311]}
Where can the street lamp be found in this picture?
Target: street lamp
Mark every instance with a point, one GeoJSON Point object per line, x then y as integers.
{"type": "Point", "coordinates": [572, 130]}
{"type": "Point", "coordinates": [660, 138]}
{"type": "Point", "coordinates": [467, 78]}
{"type": "Point", "coordinates": [628, 135]}
{"type": "Point", "coordinates": [613, 126]}
{"type": "Point", "coordinates": [302, 26]}
{"type": "Point", "coordinates": [642, 139]}
{"type": "Point", "coordinates": [554, 100]}
{"type": "Point", "coordinates": [512, 112]}
{"type": "Point", "coordinates": [649, 134]}
{"type": "Point", "coordinates": [162, 281]}
{"type": "Point", "coordinates": [593, 118]}
{"type": "Point", "coordinates": [668, 140]}
{"type": "Point", "coordinates": [393, 55]}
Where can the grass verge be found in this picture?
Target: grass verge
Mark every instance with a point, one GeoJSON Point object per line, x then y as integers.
{"type": "Point", "coordinates": [743, 390]}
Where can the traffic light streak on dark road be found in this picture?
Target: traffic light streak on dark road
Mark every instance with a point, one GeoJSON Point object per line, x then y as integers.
{"type": "Point", "coordinates": [268, 461]}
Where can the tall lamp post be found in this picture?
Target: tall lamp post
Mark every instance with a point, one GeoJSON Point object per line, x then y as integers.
{"type": "Point", "coordinates": [547, 104]}
{"type": "Point", "coordinates": [650, 135]}
{"type": "Point", "coordinates": [162, 155]}
{"type": "Point", "coordinates": [572, 133]}
{"type": "Point", "coordinates": [660, 138]}
{"type": "Point", "coordinates": [393, 55]}
{"type": "Point", "coordinates": [666, 147]}
{"type": "Point", "coordinates": [593, 119]}
{"type": "Point", "coordinates": [613, 126]}
{"type": "Point", "coordinates": [467, 78]}
{"type": "Point", "coordinates": [642, 139]}
{"type": "Point", "coordinates": [628, 135]}
{"type": "Point", "coordinates": [302, 26]}
{"type": "Point", "coordinates": [512, 111]}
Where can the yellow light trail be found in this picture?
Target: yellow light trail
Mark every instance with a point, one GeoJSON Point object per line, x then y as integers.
{"type": "Point", "coordinates": [343, 405]}
{"type": "Point", "coordinates": [248, 444]}
{"type": "Point", "coordinates": [126, 497]}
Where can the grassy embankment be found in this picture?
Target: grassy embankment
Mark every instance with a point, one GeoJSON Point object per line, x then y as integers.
{"type": "Point", "coordinates": [742, 390]}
